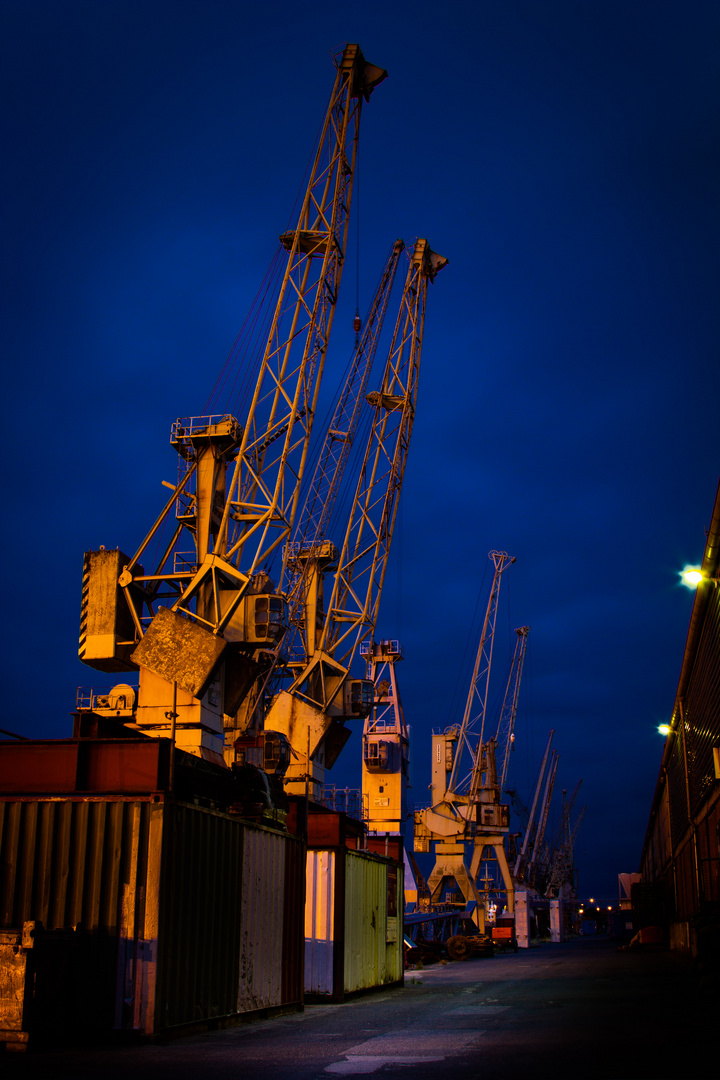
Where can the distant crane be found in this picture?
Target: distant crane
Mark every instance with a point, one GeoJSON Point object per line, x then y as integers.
{"type": "Point", "coordinates": [459, 807]}
{"type": "Point", "coordinates": [505, 735]}
{"type": "Point", "coordinates": [530, 847]}
{"type": "Point", "coordinates": [489, 780]}
{"type": "Point", "coordinates": [558, 861]}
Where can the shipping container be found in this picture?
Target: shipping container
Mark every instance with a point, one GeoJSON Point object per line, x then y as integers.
{"type": "Point", "coordinates": [177, 914]}
{"type": "Point", "coordinates": [353, 922]}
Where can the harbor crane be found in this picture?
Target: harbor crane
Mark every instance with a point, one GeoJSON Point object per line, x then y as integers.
{"type": "Point", "coordinates": [309, 553]}
{"type": "Point", "coordinates": [490, 775]}
{"type": "Point", "coordinates": [535, 820]}
{"type": "Point", "coordinates": [386, 742]}
{"type": "Point", "coordinates": [311, 712]}
{"type": "Point", "coordinates": [459, 810]}
{"type": "Point", "coordinates": [203, 622]}
{"type": "Point", "coordinates": [556, 867]}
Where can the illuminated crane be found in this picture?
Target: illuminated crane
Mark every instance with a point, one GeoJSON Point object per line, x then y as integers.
{"type": "Point", "coordinates": [311, 712]}
{"type": "Point", "coordinates": [456, 808]}
{"type": "Point", "coordinates": [491, 766]}
{"type": "Point", "coordinates": [557, 867]}
{"type": "Point", "coordinates": [204, 624]}
{"type": "Point", "coordinates": [386, 743]}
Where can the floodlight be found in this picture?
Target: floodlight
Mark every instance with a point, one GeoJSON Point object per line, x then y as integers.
{"type": "Point", "coordinates": [691, 576]}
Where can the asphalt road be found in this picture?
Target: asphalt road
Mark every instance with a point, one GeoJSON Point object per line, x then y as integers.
{"type": "Point", "coordinates": [581, 1010]}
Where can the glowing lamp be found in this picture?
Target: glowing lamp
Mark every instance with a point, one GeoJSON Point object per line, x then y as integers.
{"type": "Point", "coordinates": [691, 576]}
{"type": "Point", "coordinates": [664, 729]}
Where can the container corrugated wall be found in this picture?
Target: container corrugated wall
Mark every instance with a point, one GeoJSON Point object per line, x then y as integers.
{"type": "Point", "coordinates": [353, 922]}
{"type": "Point", "coordinates": [319, 922]}
{"type": "Point", "coordinates": [187, 914]}
{"type": "Point", "coordinates": [261, 920]}
{"type": "Point", "coordinates": [65, 863]}
{"type": "Point", "coordinates": [373, 953]}
{"type": "Point", "coordinates": [199, 916]}
{"type": "Point", "coordinates": [230, 919]}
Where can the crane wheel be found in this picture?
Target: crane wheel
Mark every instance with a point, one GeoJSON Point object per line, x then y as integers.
{"type": "Point", "coordinates": [458, 947]}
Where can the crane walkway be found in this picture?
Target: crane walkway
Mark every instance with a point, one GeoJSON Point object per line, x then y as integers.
{"type": "Point", "coordinates": [579, 1009]}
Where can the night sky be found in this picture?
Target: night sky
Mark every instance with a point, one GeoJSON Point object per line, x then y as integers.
{"type": "Point", "coordinates": [562, 155]}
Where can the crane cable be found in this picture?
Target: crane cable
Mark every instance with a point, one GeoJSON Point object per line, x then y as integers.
{"type": "Point", "coordinates": [255, 326]}
{"type": "Point", "coordinates": [470, 639]}
{"type": "Point", "coordinates": [357, 323]}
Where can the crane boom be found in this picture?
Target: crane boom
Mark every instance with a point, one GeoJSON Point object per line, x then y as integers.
{"type": "Point", "coordinates": [353, 606]}
{"type": "Point", "coordinates": [522, 855]}
{"type": "Point", "coordinates": [506, 724]}
{"type": "Point", "coordinates": [544, 814]}
{"type": "Point", "coordinates": [476, 704]}
{"type": "Point", "coordinates": [311, 712]}
{"type": "Point", "coordinates": [265, 485]}
{"type": "Point", "coordinates": [306, 554]}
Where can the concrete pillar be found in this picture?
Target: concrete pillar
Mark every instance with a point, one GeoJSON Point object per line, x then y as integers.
{"type": "Point", "coordinates": [522, 919]}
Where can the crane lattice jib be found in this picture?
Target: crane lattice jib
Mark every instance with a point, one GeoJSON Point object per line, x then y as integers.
{"type": "Point", "coordinates": [508, 712]}
{"type": "Point", "coordinates": [561, 830]}
{"type": "Point", "coordinates": [353, 606]}
{"type": "Point", "coordinates": [265, 485]}
{"type": "Point", "coordinates": [530, 828]}
{"type": "Point", "coordinates": [313, 520]}
{"type": "Point", "coordinates": [545, 810]}
{"type": "Point", "coordinates": [476, 704]}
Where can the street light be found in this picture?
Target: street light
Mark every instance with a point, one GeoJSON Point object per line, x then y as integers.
{"type": "Point", "coordinates": [691, 576]}
{"type": "Point", "coordinates": [664, 729]}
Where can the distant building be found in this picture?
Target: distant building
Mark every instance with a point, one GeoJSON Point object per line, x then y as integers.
{"type": "Point", "coordinates": [680, 866]}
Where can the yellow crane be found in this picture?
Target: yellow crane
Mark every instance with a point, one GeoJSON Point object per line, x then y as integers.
{"type": "Point", "coordinates": [203, 623]}
{"type": "Point", "coordinates": [311, 712]}
{"type": "Point", "coordinates": [464, 807]}
{"type": "Point", "coordinates": [492, 759]}
{"type": "Point", "coordinates": [386, 742]}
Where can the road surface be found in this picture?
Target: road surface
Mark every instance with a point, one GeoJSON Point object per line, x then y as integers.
{"type": "Point", "coordinates": [580, 1010]}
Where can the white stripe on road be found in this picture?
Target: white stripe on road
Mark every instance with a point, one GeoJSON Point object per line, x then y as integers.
{"type": "Point", "coordinates": [368, 1064]}
{"type": "Point", "coordinates": [402, 1048]}
{"type": "Point", "coordinates": [477, 1010]}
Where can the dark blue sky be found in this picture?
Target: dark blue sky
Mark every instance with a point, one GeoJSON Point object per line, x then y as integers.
{"type": "Point", "coordinates": [562, 155]}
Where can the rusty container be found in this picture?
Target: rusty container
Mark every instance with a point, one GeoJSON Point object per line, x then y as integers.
{"type": "Point", "coordinates": [177, 914]}
{"type": "Point", "coordinates": [353, 914]}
